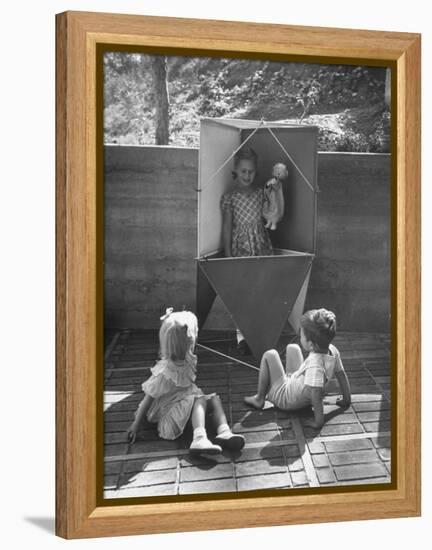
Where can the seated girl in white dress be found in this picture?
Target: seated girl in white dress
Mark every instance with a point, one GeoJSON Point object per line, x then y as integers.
{"type": "Point", "coordinates": [171, 396]}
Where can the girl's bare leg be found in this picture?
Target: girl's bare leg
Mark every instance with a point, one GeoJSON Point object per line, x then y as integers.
{"type": "Point", "coordinates": [271, 369]}
{"type": "Point", "coordinates": [199, 413]}
{"type": "Point", "coordinates": [294, 358]}
{"type": "Point", "coordinates": [201, 443]}
{"type": "Point", "coordinates": [218, 414]}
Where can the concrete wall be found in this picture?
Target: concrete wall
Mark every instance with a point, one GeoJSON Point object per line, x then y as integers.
{"type": "Point", "coordinates": [150, 237]}
{"type": "Point", "coordinates": [351, 271]}
{"type": "Point", "coordinates": [150, 232]}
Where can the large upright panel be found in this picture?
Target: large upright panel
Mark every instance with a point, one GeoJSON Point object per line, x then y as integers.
{"type": "Point", "coordinates": [217, 143]}
{"type": "Point", "coordinates": [296, 231]}
{"type": "Point", "coordinates": [260, 293]}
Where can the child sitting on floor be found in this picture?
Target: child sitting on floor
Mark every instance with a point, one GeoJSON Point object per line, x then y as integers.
{"type": "Point", "coordinates": [171, 396]}
{"type": "Point", "coordinates": [304, 382]}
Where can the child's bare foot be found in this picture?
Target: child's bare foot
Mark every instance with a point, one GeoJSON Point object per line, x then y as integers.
{"type": "Point", "coordinates": [254, 401]}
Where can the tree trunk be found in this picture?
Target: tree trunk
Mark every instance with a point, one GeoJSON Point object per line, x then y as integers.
{"type": "Point", "coordinates": [160, 89]}
{"type": "Point", "coordinates": [387, 93]}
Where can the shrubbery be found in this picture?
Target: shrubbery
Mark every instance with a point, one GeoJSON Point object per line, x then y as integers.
{"type": "Point", "coordinates": [213, 87]}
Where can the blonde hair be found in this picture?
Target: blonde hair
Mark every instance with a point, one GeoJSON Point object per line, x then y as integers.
{"type": "Point", "coordinates": [177, 335]}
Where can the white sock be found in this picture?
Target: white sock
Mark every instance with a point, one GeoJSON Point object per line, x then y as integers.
{"type": "Point", "coordinates": [239, 336]}
{"type": "Point", "coordinates": [223, 428]}
{"type": "Point", "coordinates": [199, 432]}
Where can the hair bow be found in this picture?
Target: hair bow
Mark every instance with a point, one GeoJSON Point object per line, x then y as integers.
{"type": "Point", "coordinates": [168, 312]}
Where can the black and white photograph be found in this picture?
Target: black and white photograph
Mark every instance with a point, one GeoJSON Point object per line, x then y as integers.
{"type": "Point", "coordinates": [247, 253]}
{"type": "Point", "coordinates": [134, 135]}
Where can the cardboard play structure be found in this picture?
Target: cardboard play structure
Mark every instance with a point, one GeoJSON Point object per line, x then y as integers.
{"type": "Point", "coordinates": [261, 293]}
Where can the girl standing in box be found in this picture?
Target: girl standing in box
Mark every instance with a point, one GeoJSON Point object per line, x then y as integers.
{"type": "Point", "coordinates": [243, 231]}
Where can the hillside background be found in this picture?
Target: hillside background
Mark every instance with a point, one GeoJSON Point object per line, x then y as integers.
{"type": "Point", "coordinates": [346, 102]}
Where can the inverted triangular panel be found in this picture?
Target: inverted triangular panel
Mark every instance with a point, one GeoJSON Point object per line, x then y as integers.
{"type": "Point", "coordinates": [297, 310]}
{"type": "Point", "coordinates": [259, 293]}
{"type": "Point", "coordinates": [205, 296]}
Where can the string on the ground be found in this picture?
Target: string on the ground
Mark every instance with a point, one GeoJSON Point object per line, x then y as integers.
{"type": "Point", "coordinates": [228, 357]}
{"type": "Point", "coordinates": [261, 125]}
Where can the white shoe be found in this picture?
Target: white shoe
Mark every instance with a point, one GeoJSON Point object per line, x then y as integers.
{"type": "Point", "coordinates": [204, 445]}
{"type": "Point", "coordinates": [230, 441]}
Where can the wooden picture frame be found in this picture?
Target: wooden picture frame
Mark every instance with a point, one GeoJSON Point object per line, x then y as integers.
{"type": "Point", "coordinates": [79, 293]}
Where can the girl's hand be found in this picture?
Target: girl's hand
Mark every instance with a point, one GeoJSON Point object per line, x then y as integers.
{"type": "Point", "coordinates": [132, 433]}
{"type": "Point", "coordinates": [312, 424]}
{"type": "Point", "coordinates": [342, 402]}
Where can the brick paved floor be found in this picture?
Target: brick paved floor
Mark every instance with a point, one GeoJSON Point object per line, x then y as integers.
{"type": "Point", "coordinates": [353, 446]}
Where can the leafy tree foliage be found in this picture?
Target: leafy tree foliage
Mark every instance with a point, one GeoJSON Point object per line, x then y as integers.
{"type": "Point", "coordinates": [347, 102]}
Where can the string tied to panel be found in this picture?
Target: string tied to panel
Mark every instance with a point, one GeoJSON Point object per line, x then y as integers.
{"type": "Point", "coordinates": [262, 124]}
{"type": "Point", "coordinates": [222, 166]}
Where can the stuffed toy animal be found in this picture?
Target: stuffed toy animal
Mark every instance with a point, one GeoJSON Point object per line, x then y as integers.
{"type": "Point", "coordinates": [273, 208]}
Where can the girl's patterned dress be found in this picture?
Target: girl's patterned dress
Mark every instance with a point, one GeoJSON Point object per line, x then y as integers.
{"type": "Point", "coordinates": [249, 236]}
